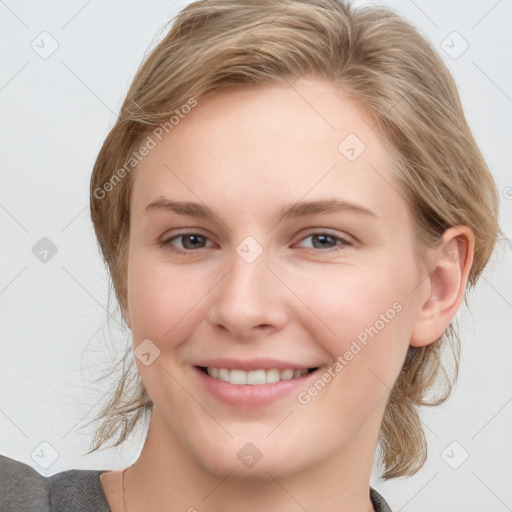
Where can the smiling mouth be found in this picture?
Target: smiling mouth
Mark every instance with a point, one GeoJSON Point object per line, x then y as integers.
{"type": "Point", "coordinates": [255, 377]}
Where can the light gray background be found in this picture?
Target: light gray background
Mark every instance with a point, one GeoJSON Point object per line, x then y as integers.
{"type": "Point", "coordinates": [54, 339]}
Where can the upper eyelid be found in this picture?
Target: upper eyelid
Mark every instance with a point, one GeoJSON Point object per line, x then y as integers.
{"type": "Point", "coordinates": [344, 240]}
{"type": "Point", "coordinates": [192, 231]}
{"type": "Point", "coordinates": [326, 231]}
{"type": "Point", "coordinates": [317, 233]}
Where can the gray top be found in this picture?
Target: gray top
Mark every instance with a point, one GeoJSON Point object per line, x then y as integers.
{"type": "Point", "coordinates": [23, 489]}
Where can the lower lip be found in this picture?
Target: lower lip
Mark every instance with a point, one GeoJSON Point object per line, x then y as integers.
{"type": "Point", "coordinates": [247, 395]}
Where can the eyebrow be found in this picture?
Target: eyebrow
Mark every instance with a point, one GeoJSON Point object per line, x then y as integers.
{"type": "Point", "coordinates": [299, 209]}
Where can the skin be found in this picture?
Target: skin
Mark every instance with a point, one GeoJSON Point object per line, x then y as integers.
{"type": "Point", "coordinates": [246, 153]}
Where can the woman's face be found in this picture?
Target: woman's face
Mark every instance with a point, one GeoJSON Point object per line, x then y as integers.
{"type": "Point", "coordinates": [222, 281]}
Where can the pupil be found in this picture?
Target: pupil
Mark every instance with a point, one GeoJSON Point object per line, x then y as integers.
{"type": "Point", "coordinates": [324, 241]}
{"type": "Point", "coordinates": [192, 241]}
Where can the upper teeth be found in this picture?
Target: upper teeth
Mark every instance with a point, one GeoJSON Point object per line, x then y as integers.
{"type": "Point", "coordinates": [255, 377]}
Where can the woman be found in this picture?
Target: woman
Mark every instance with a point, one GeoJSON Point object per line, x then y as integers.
{"type": "Point", "coordinates": [291, 206]}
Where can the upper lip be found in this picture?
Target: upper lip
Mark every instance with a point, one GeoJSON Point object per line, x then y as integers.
{"type": "Point", "coordinates": [253, 364]}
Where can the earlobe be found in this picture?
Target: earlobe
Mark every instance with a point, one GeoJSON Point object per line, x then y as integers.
{"type": "Point", "coordinates": [445, 286]}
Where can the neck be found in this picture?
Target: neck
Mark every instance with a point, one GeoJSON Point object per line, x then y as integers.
{"type": "Point", "coordinates": [166, 475]}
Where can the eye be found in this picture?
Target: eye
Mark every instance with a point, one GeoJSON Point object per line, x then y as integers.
{"type": "Point", "coordinates": [186, 242]}
{"type": "Point", "coordinates": [325, 241]}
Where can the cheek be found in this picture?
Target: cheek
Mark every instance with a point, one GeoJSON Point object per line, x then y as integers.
{"type": "Point", "coordinates": [159, 300]}
{"type": "Point", "coordinates": [163, 308]}
{"type": "Point", "coordinates": [363, 319]}
{"type": "Point", "coordinates": [371, 321]}
{"type": "Point", "coordinates": [345, 300]}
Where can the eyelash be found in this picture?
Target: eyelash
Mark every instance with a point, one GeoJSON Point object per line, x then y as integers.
{"type": "Point", "coordinates": [344, 242]}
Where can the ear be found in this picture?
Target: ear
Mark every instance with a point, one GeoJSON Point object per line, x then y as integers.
{"type": "Point", "coordinates": [443, 290]}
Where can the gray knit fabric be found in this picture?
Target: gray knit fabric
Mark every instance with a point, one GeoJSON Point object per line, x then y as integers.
{"type": "Point", "coordinates": [23, 489]}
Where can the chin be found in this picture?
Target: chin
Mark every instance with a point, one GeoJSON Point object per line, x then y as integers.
{"type": "Point", "coordinates": [251, 458]}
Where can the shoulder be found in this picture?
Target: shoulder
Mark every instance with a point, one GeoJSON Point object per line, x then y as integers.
{"type": "Point", "coordinates": [23, 488]}
{"type": "Point", "coordinates": [79, 490]}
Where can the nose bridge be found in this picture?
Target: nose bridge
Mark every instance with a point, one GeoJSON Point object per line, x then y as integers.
{"type": "Point", "coordinates": [248, 296]}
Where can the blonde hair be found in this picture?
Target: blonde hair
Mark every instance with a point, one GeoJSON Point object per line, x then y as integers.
{"type": "Point", "coordinates": [380, 62]}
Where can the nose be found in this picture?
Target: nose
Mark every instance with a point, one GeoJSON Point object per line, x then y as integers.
{"type": "Point", "coordinates": [249, 301]}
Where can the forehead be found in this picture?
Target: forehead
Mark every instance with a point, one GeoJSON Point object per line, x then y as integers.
{"type": "Point", "coordinates": [251, 147]}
